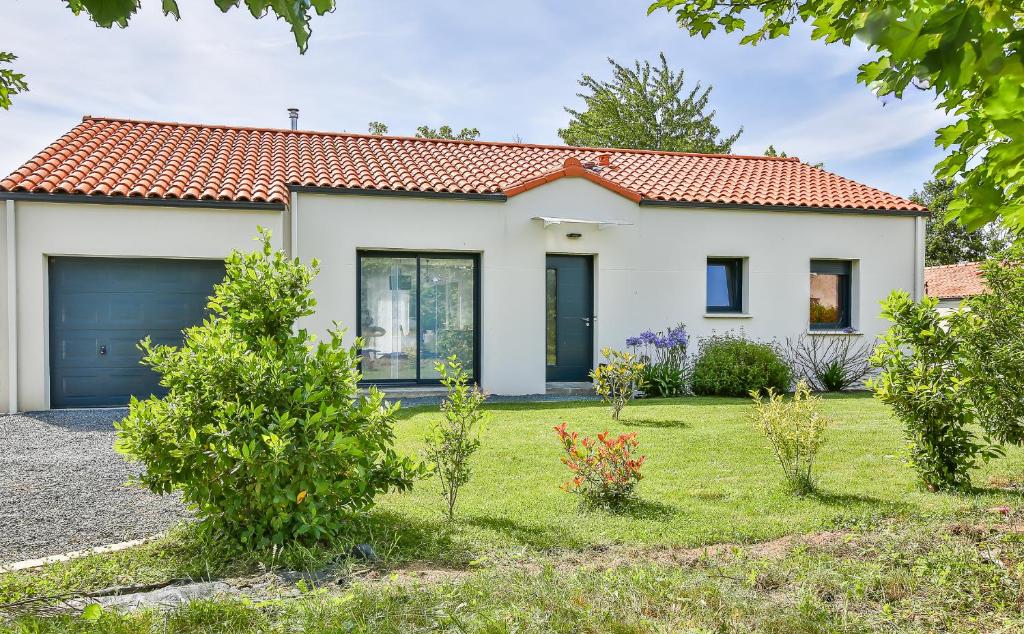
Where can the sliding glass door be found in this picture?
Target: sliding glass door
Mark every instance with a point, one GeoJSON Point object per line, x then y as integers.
{"type": "Point", "coordinates": [416, 309]}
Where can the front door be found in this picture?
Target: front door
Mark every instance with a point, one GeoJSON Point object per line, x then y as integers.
{"type": "Point", "coordinates": [570, 317]}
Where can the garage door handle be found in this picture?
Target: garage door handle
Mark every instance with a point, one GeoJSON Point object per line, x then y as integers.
{"type": "Point", "coordinates": [103, 350]}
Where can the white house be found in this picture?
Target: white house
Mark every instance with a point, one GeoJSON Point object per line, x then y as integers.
{"type": "Point", "coordinates": [523, 259]}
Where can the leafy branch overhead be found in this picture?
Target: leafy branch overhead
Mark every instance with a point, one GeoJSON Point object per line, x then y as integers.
{"type": "Point", "coordinates": [11, 83]}
{"type": "Point", "coordinates": [110, 13]}
{"type": "Point", "coordinates": [969, 52]}
{"type": "Point", "coordinates": [645, 106]}
{"type": "Point", "coordinates": [297, 13]}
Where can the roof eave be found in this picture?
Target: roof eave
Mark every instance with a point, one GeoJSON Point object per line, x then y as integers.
{"type": "Point", "coordinates": [142, 201]}
{"type": "Point", "coordinates": [652, 202]}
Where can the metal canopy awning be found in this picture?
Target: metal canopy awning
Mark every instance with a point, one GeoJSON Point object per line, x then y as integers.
{"type": "Point", "coordinates": [601, 224]}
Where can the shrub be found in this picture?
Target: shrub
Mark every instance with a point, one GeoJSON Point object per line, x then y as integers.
{"type": "Point", "coordinates": [794, 429]}
{"type": "Point", "coordinates": [452, 441]}
{"type": "Point", "coordinates": [664, 357]}
{"type": "Point", "coordinates": [617, 379]}
{"type": "Point", "coordinates": [604, 472]}
{"type": "Point", "coordinates": [993, 333]}
{"type": "Point", "coordinates": [262, 431]}
{"type": "Point", "coordinates": [728, 365]}
{"type": "Point", "coordinates": [923, 378]}
{"type": "Point", "coordinates": [829, 363]}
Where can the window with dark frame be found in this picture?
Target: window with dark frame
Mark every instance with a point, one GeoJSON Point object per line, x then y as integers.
{"type": "Point", "coordinates": [725, 285]}
{"type": "Point", "coordinates": [830, 295]}
{"type": "Point", "coordinates": [416, 309]}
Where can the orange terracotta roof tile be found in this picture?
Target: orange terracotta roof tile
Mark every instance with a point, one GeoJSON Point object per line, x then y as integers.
{"type": "Point", "coordinates": [118, 157]}
{"type": "Point", "coordinates": [954, 281]}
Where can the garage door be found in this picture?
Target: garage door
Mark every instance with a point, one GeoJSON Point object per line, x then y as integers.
{"type": "Point", "coordinates": [101, 307]}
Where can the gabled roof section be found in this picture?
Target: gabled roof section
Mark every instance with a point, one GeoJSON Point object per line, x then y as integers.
{"type": "Point", "coordinates": [954, 281]}
{"type": "Point", "coordinates": [114, 158]}
{"type": "Point", "coordinates": [573, 168]}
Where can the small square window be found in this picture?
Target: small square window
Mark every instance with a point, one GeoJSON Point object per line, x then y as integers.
{"type": "Point", "coordinates": [830, 295]}
{"type": "Point", "coordinates": [725, 285]}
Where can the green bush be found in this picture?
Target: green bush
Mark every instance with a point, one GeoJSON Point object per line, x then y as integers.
{"type": "Point", "coordinates": [728, 365]}
{"type": "Point", "coordinates": [262, 431]}
{"type": "Point", "coordinates": [795, 430]}
{"type": "Point", "coordinates": [993, 353]}
{"type": "Point", "coordinates": [618, 379]}
{"type": "Point", "coordinates": [925, 379]}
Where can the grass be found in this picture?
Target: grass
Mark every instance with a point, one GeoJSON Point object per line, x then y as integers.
{"type": "Point", "coordinates": [924, 577]}
{"type": "Point", "coordinates": [709, 478]}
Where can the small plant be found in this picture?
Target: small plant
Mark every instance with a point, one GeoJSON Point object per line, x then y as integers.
{"type": "Point", "coordinates": [453, 441]}
{"type": "Point", "coordinates": [617, 380]}
{"type": "Point", "coordinates": [794, 429]}
{"type": "Point", "coordinates": [262, 430]}
{"type": "Point", "coordinates": [605, 471]}
{"type": "Point", "coordinates": [730, 365]}
{"type": "Point", "coordinates": [829, 363]}
{"type": "Point", "coordinates": [664, 357]}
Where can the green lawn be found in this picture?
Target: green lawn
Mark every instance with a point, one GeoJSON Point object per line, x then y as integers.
{"type": "Point", "coordinates": [709, 478]}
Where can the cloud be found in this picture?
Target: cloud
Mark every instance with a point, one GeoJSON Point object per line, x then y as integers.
{"type": "Point", "coordinates": [856, 125]}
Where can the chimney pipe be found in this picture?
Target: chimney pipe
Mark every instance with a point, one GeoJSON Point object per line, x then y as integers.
{"type": "Point", "coordinates": [293, 114]}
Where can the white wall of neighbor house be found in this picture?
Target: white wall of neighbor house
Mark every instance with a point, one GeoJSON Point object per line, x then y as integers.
{"type": "Point", "coordinates": [649, 274]}
{"type": "Point", "coordinates": [102, 230]}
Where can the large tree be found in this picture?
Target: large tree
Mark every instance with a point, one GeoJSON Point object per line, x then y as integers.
{"type": "Point", "coordinates": [108, 13]}
{"type": "Point", "coordinates": [948, 241]}
{"type": "Point", "coordinates": [969, 52]}
{"type": "Point", "coordinates": [645, 106]}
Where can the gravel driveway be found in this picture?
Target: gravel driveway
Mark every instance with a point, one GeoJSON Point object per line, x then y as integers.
{"type": "Point", "coordinates": [62, 486]}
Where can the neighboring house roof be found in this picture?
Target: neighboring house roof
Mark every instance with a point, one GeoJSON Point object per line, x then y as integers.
{"type": "Point", "coordinates": [118, 158]}
{"type": "Point", "coordinates": [954, 281]}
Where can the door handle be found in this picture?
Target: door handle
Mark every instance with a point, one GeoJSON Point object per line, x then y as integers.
{"type": "Point", "coordinates": [587, 320]}
{"type": "Point", "coordinates": [103, 350]}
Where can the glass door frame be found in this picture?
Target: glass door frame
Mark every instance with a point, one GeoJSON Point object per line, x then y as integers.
{"type": "Point", "coordinates": [420, 256]}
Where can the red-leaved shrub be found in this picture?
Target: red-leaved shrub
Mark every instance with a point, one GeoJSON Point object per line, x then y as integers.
{"type": "Point", "coordinates": [604, 471]}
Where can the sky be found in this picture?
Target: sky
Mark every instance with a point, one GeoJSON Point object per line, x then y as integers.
{"type": "Point", "coordinates": [508, 69]}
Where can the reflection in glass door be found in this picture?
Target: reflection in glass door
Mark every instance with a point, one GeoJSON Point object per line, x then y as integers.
{"type": "Point", "coordinates": [387, 323]}
{"type": "Point", "coordinates": [416, 310]}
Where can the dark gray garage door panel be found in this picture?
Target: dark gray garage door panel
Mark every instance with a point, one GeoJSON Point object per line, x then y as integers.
{"type": "Point", "coordinates": [101, 307]}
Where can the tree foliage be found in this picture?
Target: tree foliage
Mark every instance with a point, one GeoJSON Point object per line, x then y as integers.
{"type": "Point", "coordinates": [969, 52]}
{"type": "Point", "coordinates": [946, 240]}
{"type": "Point", "coordinates": [110, 13]}
{"type": "Point", "coordinates": [426, 132]}
{"type": "Point", "coordinates": [11, 83]}
{"type": "Point", "coordinates": [645, 106]}
{"type": "Point", "coordinates": [771, 151]}
{"type": "Point", "coordinates": [262, 431]}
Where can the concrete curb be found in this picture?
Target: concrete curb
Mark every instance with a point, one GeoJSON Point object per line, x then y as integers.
{"type": "Point", "coordinates": [76, 554]}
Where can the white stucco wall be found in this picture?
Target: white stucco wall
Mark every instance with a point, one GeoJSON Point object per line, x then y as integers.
{"type": "Point", "coordinates": [69, 229]}
{"type": "Point", "coordinates": [648, 275]}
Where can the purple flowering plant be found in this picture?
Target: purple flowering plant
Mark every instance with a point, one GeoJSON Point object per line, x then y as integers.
{"type": "Point", "coordinates": [658, 348]}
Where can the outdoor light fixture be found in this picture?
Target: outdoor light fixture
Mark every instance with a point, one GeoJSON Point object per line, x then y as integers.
{"type": "Point", "coordinates": [573, 236]}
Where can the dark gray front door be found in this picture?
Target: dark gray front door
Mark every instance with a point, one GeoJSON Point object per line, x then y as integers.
{"type": "Point", "coordinates": [570, 317]}
{"type": "Point", "coordinates": [99, 310]}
